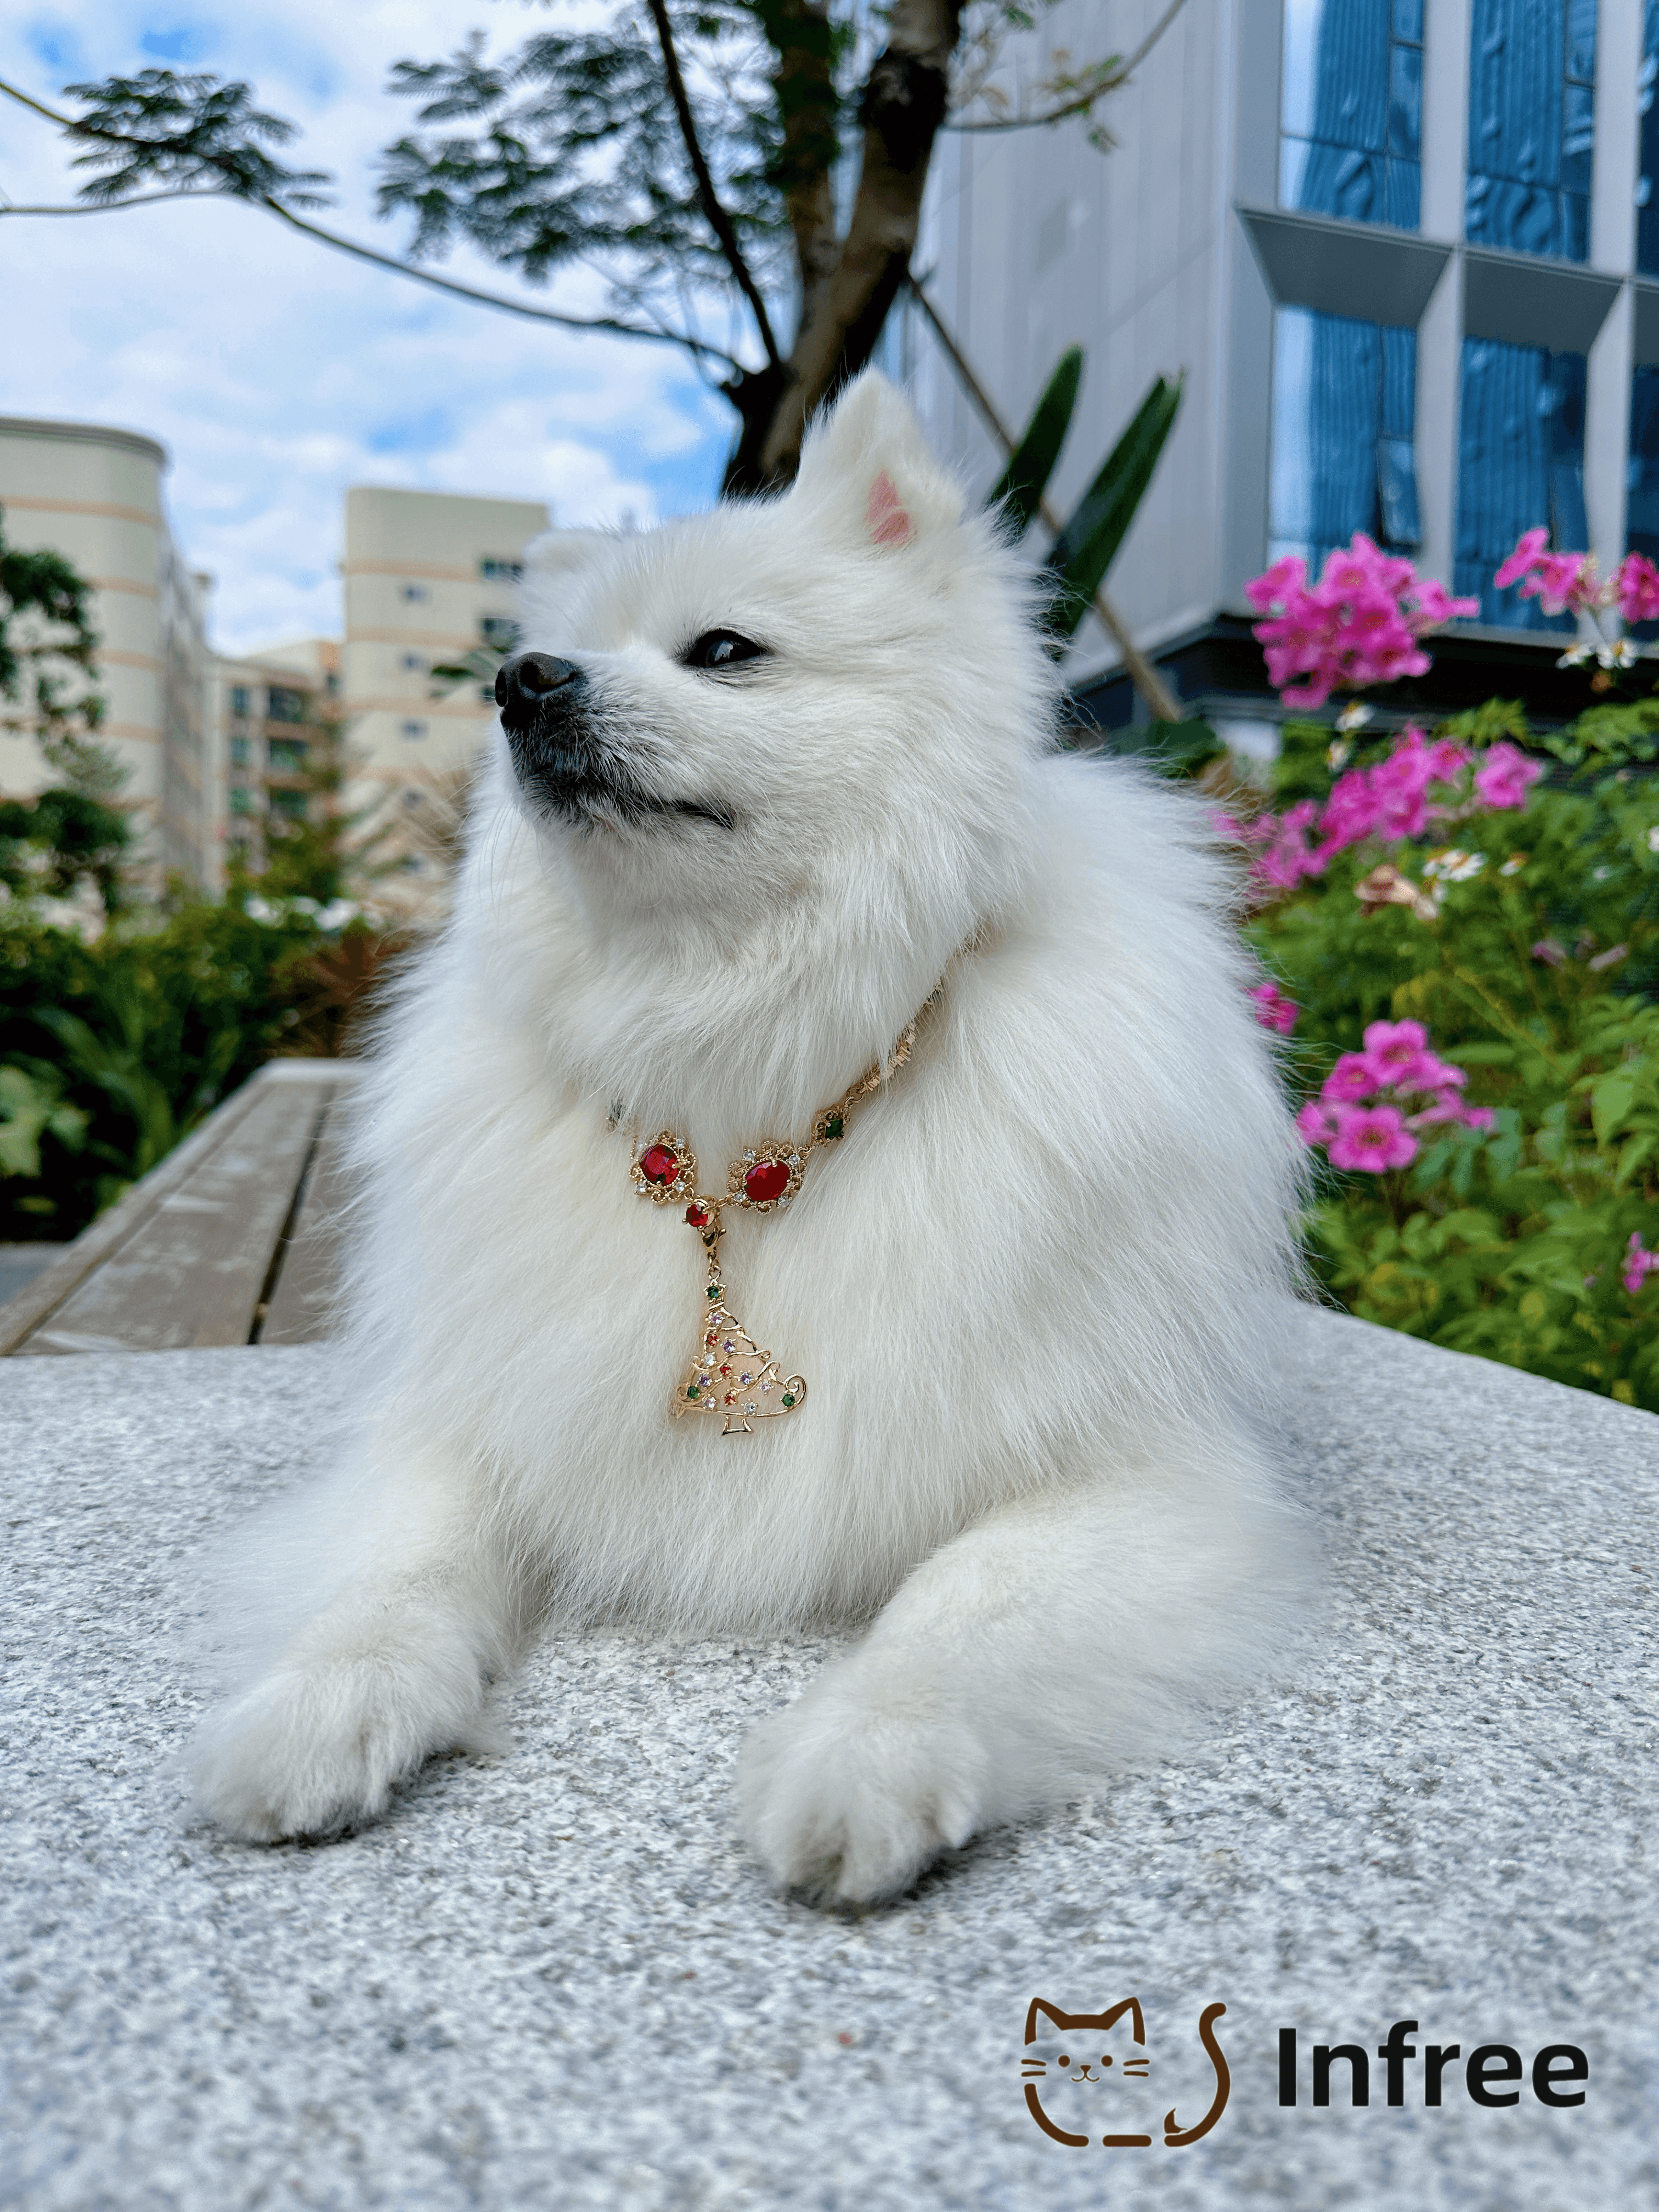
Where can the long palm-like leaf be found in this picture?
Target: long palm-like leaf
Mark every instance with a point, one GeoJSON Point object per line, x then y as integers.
{"type": "Point", "coordinates": [1088, 545]}
{"type": "Point", "coordinates": [1019, 490]}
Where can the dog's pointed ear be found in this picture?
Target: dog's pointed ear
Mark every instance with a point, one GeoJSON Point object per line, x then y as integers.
{"type": "Point", "coordinates": [866, 464]}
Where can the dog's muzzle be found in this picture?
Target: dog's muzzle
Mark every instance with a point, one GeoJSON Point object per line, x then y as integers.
{"type": "Point", "coordinates": [545, 704]}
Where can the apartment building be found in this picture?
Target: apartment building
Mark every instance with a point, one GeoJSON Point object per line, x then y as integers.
{"type": "Point", "coordinates": [1406, 252]}
{"type": "Point", "coordinates": [95, 496]}
{"type": "Point", "coordinates": [271, 713]}
{"type": "Point", "coordinates": [429, 576]}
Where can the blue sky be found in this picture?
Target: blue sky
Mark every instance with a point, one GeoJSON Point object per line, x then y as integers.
{"type": "Point", "coordinates": [278, 372]}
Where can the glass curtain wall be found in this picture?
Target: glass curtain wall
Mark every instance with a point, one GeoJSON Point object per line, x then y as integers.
{"type": "Point", "coordinates": [1647, 185]}
{"type": "Point", "coordinates": [1532, 126]}
{"type": "Point", "coordinates": [1642, 512]}
{"type": "Point", "coordinates": [1344, 419]}
{"type": "Point", "coordinates": [1350, 110]}
{"type": "Point", "coordinates": [1520, 462]}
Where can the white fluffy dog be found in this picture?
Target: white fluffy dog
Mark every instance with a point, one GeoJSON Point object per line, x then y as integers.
{"type": "Point", "coordinates": [771, 773]}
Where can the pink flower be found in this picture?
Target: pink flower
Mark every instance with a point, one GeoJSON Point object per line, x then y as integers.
{"type": "Point", "coordinates": [1638, 582]}
{"type": "Point", "coordinates": [1317, 1123]}
{"type": "Point", "coordinates": [1273, 1009]}
{"type": "Point", "coordinates": [1286, 858]}
{"type": "Point", "coordinates": [1446, 761]}
{"type": "Point", "coordinates": [1373, 1139]}
{"type": "Point", "coordinates": [1504, 777]}
{"type": "Point", "coordinates": [1528, 546]}
{"type": "Point", "coordinates": [1639, 1263]}
{"type": "Point", "coordinates": [1358, 624]}
{"type": "Point", "coordinates": [1394, 1049]}
{"type": "Point", "coordinates": [1557, 580]}
{"type": "Point", "coordinates": [1447, 1106]}
{"type": "Point", "coordinates": [1354, 1077]}
{"type": "Point", "coordinates": [1550, 953]}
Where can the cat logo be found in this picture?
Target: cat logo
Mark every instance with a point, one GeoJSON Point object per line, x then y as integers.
{"type": "Point", "coordinates": [1063, 2052]}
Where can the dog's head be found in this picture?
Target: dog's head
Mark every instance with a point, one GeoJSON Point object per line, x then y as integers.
{"type": "Point", "coordinates": [835, 689]}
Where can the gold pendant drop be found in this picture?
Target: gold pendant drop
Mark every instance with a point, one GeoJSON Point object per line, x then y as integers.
{"type": "Point", "coordinates": [729, 1375]}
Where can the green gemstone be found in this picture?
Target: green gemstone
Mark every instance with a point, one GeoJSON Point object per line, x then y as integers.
{"type": "Point", "coordinates": [692, 1391]}
{"type": "Point", "coordinates": [788, 1397]}
{"type": "Point", "coordinates": [833, 1125]}
{"type": "Point", "coordinates": [713, 1291]}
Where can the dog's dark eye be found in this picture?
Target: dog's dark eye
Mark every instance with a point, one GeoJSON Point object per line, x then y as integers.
{"type": "Point", "coordinates": [720, 649]}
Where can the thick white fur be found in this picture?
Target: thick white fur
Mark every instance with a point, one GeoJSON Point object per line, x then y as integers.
{"type": "Point", "coordinates": [1036, 1290]}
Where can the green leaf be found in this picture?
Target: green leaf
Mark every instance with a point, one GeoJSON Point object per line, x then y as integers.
{"type": "Point", "coordinates": [1019, 490]}
{"type": "Point", "coordinates": [1611, 1100]}
{"type": "Point", "coordinates": [1087, 546]}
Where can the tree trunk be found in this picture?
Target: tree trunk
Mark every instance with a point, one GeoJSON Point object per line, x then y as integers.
{"type": "Point", "coordinates": [845, 303]}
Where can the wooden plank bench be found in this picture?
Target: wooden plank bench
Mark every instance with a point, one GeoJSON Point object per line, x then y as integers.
{"type": "Point", "coordinates": [235, 1238]}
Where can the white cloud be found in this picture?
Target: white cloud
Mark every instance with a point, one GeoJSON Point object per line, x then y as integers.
{"type": "Point", "coordinates": [278, 372]}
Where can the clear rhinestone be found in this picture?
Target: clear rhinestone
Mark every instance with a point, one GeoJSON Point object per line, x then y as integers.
{"type": "Point", "coordinates": [751, 1408]}
{"type": "Point", "coordinates": [794, 1159]}
{"type": "Point", "coordinates": [749, 1156]}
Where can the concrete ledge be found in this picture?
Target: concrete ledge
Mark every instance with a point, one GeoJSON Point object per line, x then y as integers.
{"type": "Point", "coordinates": [557, 1980]}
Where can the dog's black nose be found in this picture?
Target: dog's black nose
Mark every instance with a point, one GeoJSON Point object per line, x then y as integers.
{"type": "Point", "coordinates": [531, 677]}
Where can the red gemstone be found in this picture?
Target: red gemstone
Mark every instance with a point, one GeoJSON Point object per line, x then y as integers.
{"type": "Point", "coordinates": [765, 1179]}
{"type": "Point", "coordinates": [730, 1396]}
{"type": "Point", "coordinates": [725, 1371]}
{"type": "Point", "coordinates": [697, 1216]}
{"type": "Point", "coordinates": [658, 1163]}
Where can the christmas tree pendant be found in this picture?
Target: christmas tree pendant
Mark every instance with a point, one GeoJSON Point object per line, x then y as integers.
{"type": "Point", "coordinates": [729, 1375]}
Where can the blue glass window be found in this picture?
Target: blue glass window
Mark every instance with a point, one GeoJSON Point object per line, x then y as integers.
{"type": "Point", "coordinates": [1350, 110]}
{"type": "Point", "coordinates": [1520, 462]}
{"type": "Point", "coordinates": [1344, 412]}
{"type": "Point", "coordinates": [1532, 126]}
{"type": "Point", "coordinates": [1642, 509]}
{"type": "Point", "coordinates": [1647, 185]}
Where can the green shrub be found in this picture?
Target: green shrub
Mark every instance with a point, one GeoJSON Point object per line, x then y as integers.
{"type": "Point", "coordinates": [1524, 940]}
{"type": "Point", "coordinates": [113, 1050]}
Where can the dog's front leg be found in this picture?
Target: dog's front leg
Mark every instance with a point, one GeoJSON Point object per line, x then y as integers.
{"type": "Point", "coordinates": [396, 1666]}
{"type": "Point", "coordinates": [1015, 1667]}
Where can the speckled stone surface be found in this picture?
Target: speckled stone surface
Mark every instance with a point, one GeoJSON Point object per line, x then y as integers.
{"type": "Point", "coordinates": [557, 1980]}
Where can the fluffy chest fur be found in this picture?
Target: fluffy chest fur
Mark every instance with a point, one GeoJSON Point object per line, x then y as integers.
{"type": "Point", "coordinates": [1003, 1280]}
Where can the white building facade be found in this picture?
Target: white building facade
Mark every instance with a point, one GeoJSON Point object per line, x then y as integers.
{"type": "Point", "coordinates": [1405, 252]}
{"type": "Point", "coordinates": [95, 496]}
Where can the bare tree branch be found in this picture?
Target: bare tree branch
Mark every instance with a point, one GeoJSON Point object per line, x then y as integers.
{"type": "Point", "coordinates": [1145, 678]}
{"type": "Point", "coordinates": [341, 245]}
{"type": "Point", "coordinates": [1112, 78]}
{"type": "Point", "coordinates": [718, 221]}
{"type": "Point", "coordinates": [102, 207]}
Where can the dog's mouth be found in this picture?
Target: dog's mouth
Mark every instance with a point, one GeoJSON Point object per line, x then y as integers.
{"type": "Point", "coordinates": [565, 765]}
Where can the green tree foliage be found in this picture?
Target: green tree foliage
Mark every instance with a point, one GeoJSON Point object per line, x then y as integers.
{"type": "Point", "coordinates": [73, 829]}
{"type": "Point", "coordinates": [736, 154]}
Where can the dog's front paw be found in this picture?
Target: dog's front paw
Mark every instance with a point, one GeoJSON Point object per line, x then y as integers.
{"type": "Point", "coordinates": [317, 1748]}
{"type": "Point", "coordinates": [850, 1797]}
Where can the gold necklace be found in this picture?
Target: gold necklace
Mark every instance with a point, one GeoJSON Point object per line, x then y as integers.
{"type": "Point", "coordinates": [729, 1375]}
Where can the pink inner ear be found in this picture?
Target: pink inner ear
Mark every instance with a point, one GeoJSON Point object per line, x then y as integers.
{"type": "Point", "coordinates": [890, 524]}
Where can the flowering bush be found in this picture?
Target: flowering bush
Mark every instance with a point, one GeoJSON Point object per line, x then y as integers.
{"type": "Point", "coordinates": [1360, 623]}
{"type": "Point", "coordinates": [1462, 955]}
